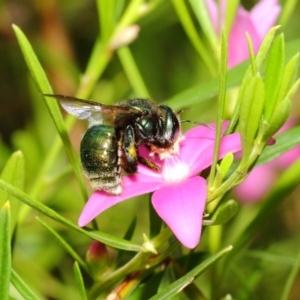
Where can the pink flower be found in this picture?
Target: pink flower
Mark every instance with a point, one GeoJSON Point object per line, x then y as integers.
{"type": "Point", "coordinates": [256, 22]}
{"type": "Point", "coordinates": [261, 178]}
{"type": "Point", "coordinates": [179, 193]}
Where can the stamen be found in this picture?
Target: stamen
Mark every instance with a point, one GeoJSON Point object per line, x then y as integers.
{"type": "Point", "coordinates": [174, 170]}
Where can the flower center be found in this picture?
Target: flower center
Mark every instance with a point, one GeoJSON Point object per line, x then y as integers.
{"type": "Point", "coordinates": [174, 170]}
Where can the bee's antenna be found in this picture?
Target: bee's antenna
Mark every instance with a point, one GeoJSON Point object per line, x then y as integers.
{"type": "Point", "coordinates": [198, 123]}
{"type": "Point", "coordinates": [183, 110]}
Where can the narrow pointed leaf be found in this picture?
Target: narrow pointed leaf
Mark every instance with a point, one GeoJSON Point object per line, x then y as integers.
{"type": "Point", "coordinates": [97, 235]}
{"type": "Point", "coordinates": [206, 90]}
{"type": "Point", "coordinates": [253, 96]}
{"type": "Point", "coordinates": [44, 87]}
{"type": "Point", "coordinates": [167, 279]}
{"type": "Point", "coordinates": [22, 287]}
{"type": "Point", "coordinates": [284, 142]}
{"type": "Point", "coordinates": [279, 117]}
{"type": "Point", "coordinates": [79, 281]}
{"type": "Point", "coordinates": [273, 75]}
{"type": "Point", "coordinates": [259, 60]}
{"type": "Point", "coordinates": [202, 15]}
{"type": "Point", "coordinates": [221, 106]}
{"type": "Point", "coordinates": [180, 284]}
{"type": "Point", "coordinates": [291, 279]}
{"type": "Point", "coordinates": [5, 254]}
{"type": "Point", "coordinates": [65, 245]}
{"type": "Point", "coordinates": [193, 35]}
{"type": "Point", "coordinates": [230, 15]}
{"type": "Point", "coordinates": [284, 186]}
{"type": "Point", "coordinates": [225, 212]}
{"type": "Point", "coordinates": [13, 173]}
{"type": "Point", "coordinates": [265, 47]}
{"type": "Point", "coordinates": [289, 76]}
{"type": "Point", "coordinates": [226, 163]}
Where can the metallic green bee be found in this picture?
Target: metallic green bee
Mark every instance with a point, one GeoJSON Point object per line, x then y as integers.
{"type": "Point", "coordinates": [114, 134]}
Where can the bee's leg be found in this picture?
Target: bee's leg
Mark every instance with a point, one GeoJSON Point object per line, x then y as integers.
{"type": "Point", "coordinates": [129, 150]}
{"type": "Point", "coordinates": [148, 163]}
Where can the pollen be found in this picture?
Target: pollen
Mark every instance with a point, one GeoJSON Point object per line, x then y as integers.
{"type": "Point", "coordinates": [132, 151]}
{"type": "Point", "coordinates": [165, 153]}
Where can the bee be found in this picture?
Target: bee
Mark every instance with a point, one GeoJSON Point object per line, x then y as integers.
{"type": "Point", "coordinates": [115, 133]}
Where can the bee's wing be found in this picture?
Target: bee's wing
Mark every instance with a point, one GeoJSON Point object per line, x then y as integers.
{"type": "Point", "coordinates": [94, 112]}
{"type": "Point", "coordinates": [82, 109]}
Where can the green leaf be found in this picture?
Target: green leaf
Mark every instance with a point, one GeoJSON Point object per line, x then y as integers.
{"type": "Point", "coordinates": [221, 107]}
{"type": "Point", "coordinates": [279, 116]}
{"type": "Point", "coordinates": [13, 173]}
{"type": "Point", "coordinates": [252, 96]}
{"type": "Point", "coordinates": [284, 186]}
{"type": "Point", "coordinates": [97, 235]}
{"type": "Point", "coordinates": [291, 279]}
{"type": "Point", "coordinates": [225, 164]}
{"type": "Point", "coordinates": [167, 279]}
{"type": "Point", "coordinates": [284, 142]}
{"type": "Point", "coordinates": [106, 18]}
{"type": "Point", "coordinates": [133, 74]}
{"type": "Point", "coordinates": [225, 212]}
{"type": "Point", "coordinates": [65, 245]}
{"type": "Point", "coordinates": [22, 287]}
{"type": "Point", "coordinates": [287, 11]}
{"type": "Point", "coordinates": [259, 60]}
{"type": "Point", "coordinates": [79, 281]}
{"type": "Point", "coordinates": [264, 48]}
{"type": "Point", "coordinates": [44, 87]}
{"type": "Point", "coordinates": [203, 17]}
{"type": "Point", "coordinates": [289, 76]}
{"type": "Point", "coordinates": [180, 284]}
{"type": "Point", "coordinates": [273, 75]}
{"type": "Point", "coordinates": [205, 91]}
{"type": "Point", "coordinates": [231, 8]}
{"type": "Point", "coordinates": [193, 35]}
{"type": "Point", "coordinates": [5, 254]}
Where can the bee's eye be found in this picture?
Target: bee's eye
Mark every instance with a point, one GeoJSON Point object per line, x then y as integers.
{"type": "Point", "coordinates": [172, 125]}
{"type": "Point", "coordinates": [145, 127]}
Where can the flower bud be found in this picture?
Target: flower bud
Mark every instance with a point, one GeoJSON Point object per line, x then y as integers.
{"type": "Point", "coordinates": [97, 258]}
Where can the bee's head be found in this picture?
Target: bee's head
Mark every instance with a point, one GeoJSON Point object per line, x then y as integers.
{"type": "Point", "coordinates": [168, 133]}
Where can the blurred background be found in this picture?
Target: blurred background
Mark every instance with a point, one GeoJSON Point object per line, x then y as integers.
{"type": "Point", "coordinates": [63, 34]}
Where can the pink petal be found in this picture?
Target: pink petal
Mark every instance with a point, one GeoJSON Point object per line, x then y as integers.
{"type": "Point", "coordinates": [205, 132]}
{"type": "Point", "coordinates": [257, 184]}
{"type": "Point", "coordinates": [238, 48]}
{"type": "Point", "coordinates": [287, 158]}
{"type": "Point", "coordinates": [192, 147]}
{"type": "Point", "coordinates": [134, 185]}
{"type": "Point", "coordinates": [196, 141]}
{"type": "Point", "coordinates": [230, 143]}
{"type": "Point", "coordinates": [213, 13]}
{"type": "Point", "coordinates": [264, 15]}
{"type": "Point", "coordinates": [181, 206]}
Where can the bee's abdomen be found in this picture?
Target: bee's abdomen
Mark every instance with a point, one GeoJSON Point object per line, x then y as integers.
{"type": "Point", "coordinates": [100, 159]}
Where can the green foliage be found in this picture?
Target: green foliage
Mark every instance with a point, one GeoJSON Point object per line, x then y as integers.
{"type": "Point", "coordinates": [185, 280]}
{"type": "Point", "coordinates": [22, 287]}
{"type": "Point", "coordinates": [174, 55]}
{"type": "Point", "coordinates": [5, 251]}
{"type": "Point", "coordinates": [44, 87]}
{"type": "Point", "coordinates": [79, 281]}
{"type": "Point", "coordinates": [13, 173]}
